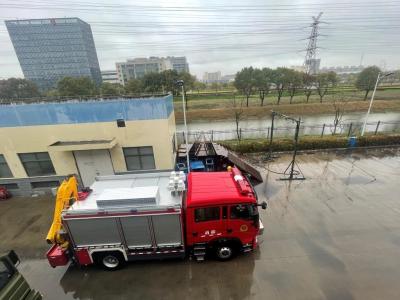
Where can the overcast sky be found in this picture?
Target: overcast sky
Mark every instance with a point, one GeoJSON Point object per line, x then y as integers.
{"type": "Point", "coordinates": [223, 35]}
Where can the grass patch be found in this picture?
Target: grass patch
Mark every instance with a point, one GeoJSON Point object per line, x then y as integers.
{"type": "Point", "coordinates": [223, 99]}
{"type": "Point", "coordinates": [210, 113]}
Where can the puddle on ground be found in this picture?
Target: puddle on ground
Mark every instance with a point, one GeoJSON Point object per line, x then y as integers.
{"type": "Point", "coordinates": [357, 180]}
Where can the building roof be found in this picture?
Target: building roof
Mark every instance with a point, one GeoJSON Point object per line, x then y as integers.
{"type": "Point", "coordinates": [45, 21]}
{"type": "Point", "coordinates": [205, 188]}
{"type": "Point", "coordinates": [86, 111]}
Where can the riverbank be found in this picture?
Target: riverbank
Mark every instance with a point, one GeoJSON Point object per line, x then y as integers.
{"type": "Point", "coordinates": [300, 109]}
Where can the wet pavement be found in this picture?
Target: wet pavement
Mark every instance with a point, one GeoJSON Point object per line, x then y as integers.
{"type": "Point", "coordinates": [335, 235]}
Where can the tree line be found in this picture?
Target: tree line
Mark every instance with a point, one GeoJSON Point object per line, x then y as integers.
{"type": "Point", "coordinates": [248, 81]}
{"type": "Point", "coordinates": [164, 82]}
{"type": "Point", "coordinates": [284, 80]}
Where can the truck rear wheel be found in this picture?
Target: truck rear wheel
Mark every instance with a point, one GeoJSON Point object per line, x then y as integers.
{"type": "Point", "coordinates": [224, 252]}
{"type": "Point", "coordinates": [110, 260]}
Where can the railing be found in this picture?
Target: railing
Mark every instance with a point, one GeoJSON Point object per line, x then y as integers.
{"type": "Point", "coordinates": [343, 129]}
{"type": "Point", "coordinates": [76, 98]}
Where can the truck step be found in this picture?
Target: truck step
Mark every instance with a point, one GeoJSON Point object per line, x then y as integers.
{"type": "Point", "coordinates": [199, 251]}
{"type": "Point", "coordinates": [199, 247]}
{"type": "Point", "coordinates": [200, 258]}
{"type": "Point", "coordinates": [247, 248]}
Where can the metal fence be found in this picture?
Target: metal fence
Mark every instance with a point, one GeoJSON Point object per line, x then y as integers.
{"type": "Point", "coordinates": [344, 129]}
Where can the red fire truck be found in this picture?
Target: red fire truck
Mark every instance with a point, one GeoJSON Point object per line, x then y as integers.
{"type": "Point", "coordinates": [155, 215]}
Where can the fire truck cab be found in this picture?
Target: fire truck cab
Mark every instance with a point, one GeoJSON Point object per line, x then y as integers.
{"type": "Point", "coordinates": [154, 215]}
{"type": "Point", "coordinates": [221, 214]}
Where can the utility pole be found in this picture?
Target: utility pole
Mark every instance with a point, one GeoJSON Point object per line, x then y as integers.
{"type": "Point", "coordinates": [296, 141]}
{"type": "Point", "coordinates": [271, 137]}
{"type": "Point", "coordinates": [290, 171]}
{"type": "Point", "coordinates": [181, 83]}
{"type": "Point", "coordinates": [380, 76]}
{"type": "Point", "coordinates": [311, 63]}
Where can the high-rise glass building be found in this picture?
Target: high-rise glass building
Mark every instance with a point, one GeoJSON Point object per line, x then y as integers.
{"type": "Point", "coordinates": [50, 49]}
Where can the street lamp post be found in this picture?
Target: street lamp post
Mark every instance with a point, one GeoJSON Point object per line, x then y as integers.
{"type": "Point", "coordinates": [181, 84]}
{"type": "Point", "coordinates": [380, 76]}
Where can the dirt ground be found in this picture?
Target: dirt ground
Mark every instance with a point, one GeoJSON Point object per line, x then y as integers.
{"type": "Point", "coordinates": [335, 235]}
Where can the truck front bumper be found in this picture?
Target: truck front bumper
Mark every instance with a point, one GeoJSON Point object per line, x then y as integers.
{"type": "Point", "coordinates": [260, 236]}
{"type": "Point", "coordinates": [261, 229]}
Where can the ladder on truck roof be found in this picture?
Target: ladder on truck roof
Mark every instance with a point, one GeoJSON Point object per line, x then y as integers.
{"type": "Point", "coordinates": [67, 193]}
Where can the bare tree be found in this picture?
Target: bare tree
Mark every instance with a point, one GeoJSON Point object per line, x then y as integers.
{"type": "Point", "coordinates": [238, 115]}
{"type": "Point", "coordinates": [308, 83]}
{"type": "Point", "coordinates": [245, 82]}
{"type": "Point", "coordinates": [307, 92]}
{"type": "Point", "coordinates": [325, 81]}
{"type": "Point", "coordinates": [263, 92]}
{"type": "Point", "coordinates": [295, 82]}
{"type": "Point", "coordinates": [366, 80]}
{"type": "Point", "coordinates": [339, 107]}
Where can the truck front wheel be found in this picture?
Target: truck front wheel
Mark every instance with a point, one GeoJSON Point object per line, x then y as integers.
{"type": "Point", "coordinates": [110, 260]}
{"type": "Point", "coordinates": [224, 252]}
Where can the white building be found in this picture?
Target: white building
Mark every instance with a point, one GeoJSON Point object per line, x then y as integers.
{"type": "Point", "coordinates": [210, 77]}
{"type": "Point", "coordinates": [179, 63]}
{"type": "Point", "coordinates": [109, 76]}
{"type": "Point", "coordinates": [138, 67]}
{"type": "Point", "coordinates": [344, 69]}
{"type": "Point", "coordinates": [228, 78]}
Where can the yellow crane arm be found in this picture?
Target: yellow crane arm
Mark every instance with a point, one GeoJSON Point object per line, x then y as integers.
{"type": "Point", "coordinates": [67, 193]}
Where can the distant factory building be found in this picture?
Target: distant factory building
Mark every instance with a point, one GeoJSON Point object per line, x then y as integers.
{"type": "Point", "coordinates": [109, 76]}
{"type": "Point", "coordinates": [344, 69]}
{"type": "Point", "coordinates": [50, 49]}
{"type": "Point", "coordinates": [313, 65]}
{"type": "Point", "coordinates": [179, 64]}
{"type": "Point", "coordinates": [138, 67]}
{"type": "Point", "coordinates": [210, 77]}
{"type": "Point", "coordinates": [44, 142]}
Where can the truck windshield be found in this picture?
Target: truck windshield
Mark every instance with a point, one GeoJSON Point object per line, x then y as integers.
{"type": "Point", "coordinates": [243, 211]}
{"type": "Point", "coordinates": [5, 274]}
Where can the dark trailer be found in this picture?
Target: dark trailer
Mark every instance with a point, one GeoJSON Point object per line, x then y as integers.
{"type": "Point", "coordinates": [206, 156]}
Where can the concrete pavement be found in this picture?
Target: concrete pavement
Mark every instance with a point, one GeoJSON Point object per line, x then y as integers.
{"type": "Point", "coordinates": [335, 235]}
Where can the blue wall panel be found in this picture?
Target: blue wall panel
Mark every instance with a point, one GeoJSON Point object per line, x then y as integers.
{"type": "Point", "coordinates": [85, 111]}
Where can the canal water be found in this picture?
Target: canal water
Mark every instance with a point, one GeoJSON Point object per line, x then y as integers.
{"type": "Point", "coordinates": [311, 125]}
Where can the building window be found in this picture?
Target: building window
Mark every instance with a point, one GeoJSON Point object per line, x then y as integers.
{"type": "Point", "coordinates": [139, 158]}
{"type": "Point", "coordinates": [5, 171]}
{"type": "Point", "coordinates": [9, 186]}
{"type": "Point", "coordinates": [37, 164]}
{"type": "Point", "coordinates": [44, 184]}
{"type": "Point", "coordinates": [206, 214]}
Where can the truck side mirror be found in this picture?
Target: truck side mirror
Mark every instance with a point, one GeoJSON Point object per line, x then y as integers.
{"type": "Point", "coordinates": [13, 257]}
{"type": "Point", "coordinates": [264, 205]}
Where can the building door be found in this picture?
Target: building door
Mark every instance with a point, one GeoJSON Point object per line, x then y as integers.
{"type": "Point", "coordinates": [92, 163]}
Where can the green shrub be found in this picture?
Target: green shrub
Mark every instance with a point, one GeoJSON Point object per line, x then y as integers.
{"type": "Point", "coordinates": [378, 140]}
{"type": "Point", "coordinates": [310, 143]}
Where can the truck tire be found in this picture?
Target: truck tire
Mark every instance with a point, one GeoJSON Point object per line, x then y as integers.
{"type": "Point", "coordinates": [224, 251]}
{"type": "Point", "coordinates": [110, 261]}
